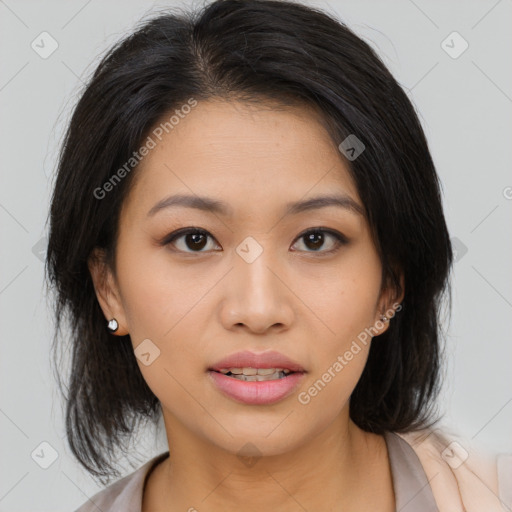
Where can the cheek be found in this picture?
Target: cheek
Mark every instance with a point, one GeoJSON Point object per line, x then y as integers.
{"type": "Point", "coordinates": [345, 298]}
{"type": "Point", "coordinates": [345, 303]}
{"type": "Point", "coordinates": [329, 389]}
{"type": "Point", "coordinates": [164, 307]}
{"type": "Point", "coordinates": [341, 353]}
{"type": "Point", "coordinates": [156, 294]}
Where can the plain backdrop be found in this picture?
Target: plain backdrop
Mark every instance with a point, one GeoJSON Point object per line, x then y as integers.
{"type": "Point", "coordinates": [464, 99]}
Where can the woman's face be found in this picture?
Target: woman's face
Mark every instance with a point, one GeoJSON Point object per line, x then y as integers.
{"type": "Point", "coordinates": [254, 280]}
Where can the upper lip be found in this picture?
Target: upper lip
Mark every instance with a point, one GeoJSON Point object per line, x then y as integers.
{"type": "Point", "coordinates": [247, 359]}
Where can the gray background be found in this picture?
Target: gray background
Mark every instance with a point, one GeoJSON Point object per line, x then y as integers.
{"type": "Point", "coordinates": [465, 105]}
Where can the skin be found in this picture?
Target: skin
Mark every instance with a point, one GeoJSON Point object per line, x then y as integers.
{"type": "Point", "coordinates": [198, 304]}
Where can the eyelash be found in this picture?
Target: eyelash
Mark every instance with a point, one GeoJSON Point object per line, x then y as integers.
{"type": "Point", "coordinates": [340, 239]}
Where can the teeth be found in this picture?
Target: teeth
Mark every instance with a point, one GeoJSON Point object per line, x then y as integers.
{"type": "Point", "coordinates": [265, 371]}
{"type": "Point", "coordinates": [258, 378]}
{"type": "Point", "coordinates": [249, 371]}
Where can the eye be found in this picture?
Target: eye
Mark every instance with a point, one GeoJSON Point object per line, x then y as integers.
{"type": "Point", "coordinates": [193, 238]}
{"type": "Point", "coordinates": [196, 239]}
{"type": "Point", "coordinates": [315, 239]}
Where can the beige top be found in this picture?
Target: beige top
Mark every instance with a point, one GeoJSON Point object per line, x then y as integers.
{"type": "Point", "coordinates": [415, 461]}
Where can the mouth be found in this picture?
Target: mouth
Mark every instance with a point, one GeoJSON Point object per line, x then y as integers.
{"type": "Point", "coordinates": [256, 378]}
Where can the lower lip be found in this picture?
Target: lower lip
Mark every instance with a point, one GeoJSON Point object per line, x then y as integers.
{"type": "Point", "coordinates": [256, 393]}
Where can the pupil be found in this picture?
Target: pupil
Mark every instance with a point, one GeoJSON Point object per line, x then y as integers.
{"type": "Point", "coordinates": [311, 239]}
{"type": "Point", "coordinates": [194, 237]}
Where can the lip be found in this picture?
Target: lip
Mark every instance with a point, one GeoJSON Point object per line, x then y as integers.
{"type": "Point", "coordinates": [258, 392]}
{"type": "Point", "coordinates": [246, 358]}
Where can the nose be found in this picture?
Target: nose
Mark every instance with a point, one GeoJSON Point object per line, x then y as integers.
{"type": "Point", "coordinates": [257, 296]}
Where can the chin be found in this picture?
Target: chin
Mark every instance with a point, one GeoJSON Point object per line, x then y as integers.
{"type": "Point", "coordinates": [259, 442]}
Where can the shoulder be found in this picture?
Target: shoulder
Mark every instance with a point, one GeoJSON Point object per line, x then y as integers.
{"type": "Point", "coordinates": [462, 475]}
{"type": "Point", "coordinates": [125, 495]}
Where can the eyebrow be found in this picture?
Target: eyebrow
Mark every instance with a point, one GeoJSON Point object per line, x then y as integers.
{"type": "Point", "coordinates": [214, 206]}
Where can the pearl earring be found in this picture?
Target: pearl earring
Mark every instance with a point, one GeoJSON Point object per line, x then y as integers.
{"type": "Point", "coordinates": [113, 325]}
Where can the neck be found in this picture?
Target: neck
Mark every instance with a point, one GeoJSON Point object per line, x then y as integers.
{"type": "Point", "coordinates": [337, 469]}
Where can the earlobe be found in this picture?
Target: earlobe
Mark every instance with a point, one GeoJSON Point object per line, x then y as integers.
{"type": "Point", "coordinates": [107, 292]}
{"type": "Point", "coordinates": [382, 324]}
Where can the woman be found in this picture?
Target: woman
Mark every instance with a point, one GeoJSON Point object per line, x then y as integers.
{"type": "Point", "coordinates": [247, 234]}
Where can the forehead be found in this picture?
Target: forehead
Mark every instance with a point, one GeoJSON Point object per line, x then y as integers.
{"type": "Point", "coordinates": [244, 155]}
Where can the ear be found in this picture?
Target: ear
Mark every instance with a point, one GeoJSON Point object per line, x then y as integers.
{"type": "Point", "coordinates": [106, 290]}
{"type": "Point", "coordinates": [388, 306]}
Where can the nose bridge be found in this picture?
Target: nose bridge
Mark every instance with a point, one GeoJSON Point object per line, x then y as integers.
{"type": "Point", "coordinates": [255, 295]}
{"type": "Point", "coordinates": [253, 273]}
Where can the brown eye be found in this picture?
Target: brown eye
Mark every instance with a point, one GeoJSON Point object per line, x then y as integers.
{"type": "Point", "coordinates": [315, 239]}
{"type": "Point", "coordinates": [188, 240]}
